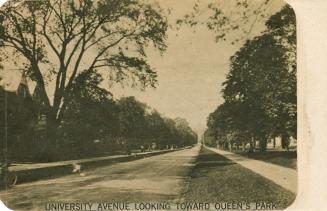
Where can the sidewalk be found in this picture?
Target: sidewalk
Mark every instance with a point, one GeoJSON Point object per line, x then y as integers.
{"type": "Point", "coordinates": [36, 171]}
{"type": "Point", "coordinates": [285, 177]}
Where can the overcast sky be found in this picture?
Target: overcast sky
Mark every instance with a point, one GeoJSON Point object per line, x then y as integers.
{"type": "Point", "coordinates": [191, 71]}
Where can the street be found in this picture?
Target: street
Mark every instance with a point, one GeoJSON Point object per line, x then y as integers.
{"type": "Point", "coordinates": [189, 175]}
{"type": "Point", "coordinates": [157, 178]}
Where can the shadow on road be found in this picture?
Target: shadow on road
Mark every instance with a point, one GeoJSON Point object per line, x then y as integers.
{"type": "Point", "coordinates": [208, 161]}
{"type": "Point", "coordinates": [207, 158]}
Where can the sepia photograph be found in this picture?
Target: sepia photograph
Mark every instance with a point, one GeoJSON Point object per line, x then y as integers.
{"type": "Point", "coordinates": [148, 105]}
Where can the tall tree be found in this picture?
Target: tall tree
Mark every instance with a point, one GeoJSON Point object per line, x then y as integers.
{"type": "Point", "coordinates": [260, 89]}
{"type": "Point", "coordinates": [91, 112]}
{"type": "Point", "coordinates": [132, 120]}
{"type": "Point", "coordinates": [55, 40]}
{"type": "Point", "coordinates": [282, 26]}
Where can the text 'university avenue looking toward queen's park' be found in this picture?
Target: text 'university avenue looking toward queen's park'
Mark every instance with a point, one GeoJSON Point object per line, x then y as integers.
{"type": "Point", "coordinates": [148, 105]}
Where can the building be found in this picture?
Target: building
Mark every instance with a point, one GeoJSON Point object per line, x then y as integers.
{"type": "Point", "coordinates": [22, 113]}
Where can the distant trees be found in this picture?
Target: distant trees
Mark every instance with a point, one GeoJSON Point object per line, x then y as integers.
{"type": "Point", "coordinates": [260, 89]}
{"type": "Point", "coordinates": [142, 126]}
{"type": "Point", "coordinates": [132, 122]}
{"type": "Point", "coordinates": [96, 124]}
{"type": "Point", "coordinates": [186, 135]}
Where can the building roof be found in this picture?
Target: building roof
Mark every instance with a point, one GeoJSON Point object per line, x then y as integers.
{"type": "Point", "coordinates": [10, 79]}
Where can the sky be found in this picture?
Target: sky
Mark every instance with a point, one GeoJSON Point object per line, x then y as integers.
{"type": "Point", "coordinates": [191, 71]}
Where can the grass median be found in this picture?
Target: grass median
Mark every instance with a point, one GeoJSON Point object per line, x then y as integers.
{"type": "Point", "coordinates": [217, 179]}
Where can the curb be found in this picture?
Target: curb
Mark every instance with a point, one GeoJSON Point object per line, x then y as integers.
{"type": "Point", "coordinates": [48, 172]}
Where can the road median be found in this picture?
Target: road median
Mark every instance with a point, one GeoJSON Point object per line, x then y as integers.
{"type": "Point", "coordinates": [283, 176]}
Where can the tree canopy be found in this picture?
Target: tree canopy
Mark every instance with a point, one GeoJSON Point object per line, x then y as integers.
{"type": "Point", "coordinates": [260, 88]}
{"type": "Point", "coordinates": [56, 40]}
{"type": "Point", "coordinates": [228, 20]}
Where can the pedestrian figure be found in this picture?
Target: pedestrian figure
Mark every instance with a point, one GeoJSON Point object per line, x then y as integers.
{"type": "Point", "coordinates": [77, 168]}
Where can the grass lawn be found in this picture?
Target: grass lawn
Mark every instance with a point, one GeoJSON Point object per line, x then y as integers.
{"type": "Point", "coordinates": [217, 179]}
{"type": "Point", "coordinates": [282, 158]}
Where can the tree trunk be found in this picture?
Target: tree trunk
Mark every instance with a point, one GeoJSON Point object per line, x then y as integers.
{"type": "Point", "coordinates": [263, 144]}
{"type": "Point", "coordinates": [285, 142]}
{"type": "Point", "coordinates": [251, 145]}
{"type": "Point", "coordinates": [274, 142]}
{"type": "Point", "coordinates": [52, 128]}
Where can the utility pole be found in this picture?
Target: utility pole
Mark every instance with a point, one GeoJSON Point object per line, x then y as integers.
{"type": "Point", "coordinates": [5, 150]}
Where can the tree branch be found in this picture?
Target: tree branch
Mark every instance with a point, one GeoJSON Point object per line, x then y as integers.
{"type": "Point", "coordinates": [96, 59]}
{"type": "Point", "coordinates": [101, 38]}
{"type": "Point", "coordinates": [45, 22]}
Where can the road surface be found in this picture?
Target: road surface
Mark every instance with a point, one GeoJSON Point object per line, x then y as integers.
{"type": "Point", "coordinates": [152, 179]}
{"type": "Point", "coordinates": [182, 176]}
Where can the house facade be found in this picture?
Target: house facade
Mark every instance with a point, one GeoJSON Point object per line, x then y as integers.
{"type": "Point", "coordinates": [22, 115]}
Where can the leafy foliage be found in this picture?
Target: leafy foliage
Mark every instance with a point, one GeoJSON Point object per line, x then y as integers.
{"type": "Point", "coordinates": [117, 125]}
{"type": "Point", "coordinates": [91, 113]}
{"type": "Point", "coordinates": [224, 18]}
{"type": "Point", "coordinates": [260, 88]}
{"type": "Point", "coordinates": [55, 41]}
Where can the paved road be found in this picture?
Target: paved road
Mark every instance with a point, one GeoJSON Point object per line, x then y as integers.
{"type": "Point", "coordinates": [158, 178]}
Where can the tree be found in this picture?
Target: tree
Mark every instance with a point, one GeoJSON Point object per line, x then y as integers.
{"type": "Point", "coordinates": [228, 20]}
{"type": "Point", "coordinates": [131, 118]}
{"type": "Point", "coordinates": [228, 124]}
{"type": "Point", "coordinates": [155, 127]}
{"type": "Point", "coordinates": [56, 40]}
{"type": "Point", "coordinates": [282, 26]}
{"type": "Point", "coordinates": [186, 135]}
{"type": "Point", "coordinates": [170, 132]}
{"type": "Point", "coordinates": [257, 78]}
{"type": "Point", "coordinates": [91, 114]}
{"type": "Point", "coordinates": [260, 89]}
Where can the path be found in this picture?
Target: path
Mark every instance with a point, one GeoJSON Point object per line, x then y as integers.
{"type": "Point", "coordinates": [285, 177]}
